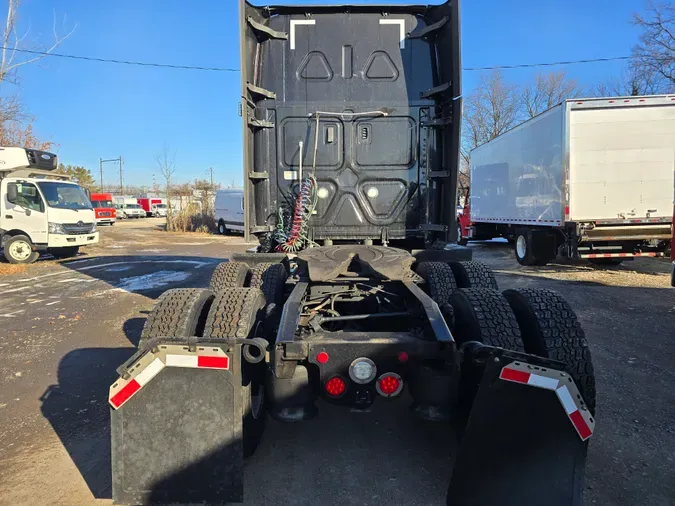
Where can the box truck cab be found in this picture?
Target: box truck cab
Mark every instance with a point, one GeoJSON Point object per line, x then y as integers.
{"type": "Point", "coordinates": [153, 207]}
{"type": "Point", "coordinates": [230, 210]}
{"type": "Point", "coordinates": [104, 209]}
{"type": "Point", "coordinates": [39, 209]}
{"type": "Point", "coordinates": [127, 207]}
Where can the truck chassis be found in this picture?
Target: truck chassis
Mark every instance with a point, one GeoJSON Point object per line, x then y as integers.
{"type": "Point", "coordinates": [352, 326]}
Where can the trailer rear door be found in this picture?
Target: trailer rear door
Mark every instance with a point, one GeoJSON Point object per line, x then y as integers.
{"type": "Point", "coordinates": [622, 157]}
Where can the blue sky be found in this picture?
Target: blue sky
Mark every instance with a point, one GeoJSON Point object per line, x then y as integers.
{"type": "Point", "coordinates": [94, 110]}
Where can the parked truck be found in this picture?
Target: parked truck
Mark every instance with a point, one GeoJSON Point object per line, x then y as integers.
{"type": "Point", "coordinates": [128, 207]}
{"type": "Point", "coordinates": [104, 208]}
{"type": "Point", "coordinates": [153, 207]}
{"type": "Point", "coordinates": [586, 179]}
{"type": "Point", "coordinates": [41, 210]}
{"type": "Point", "coordinates": [351, 119]}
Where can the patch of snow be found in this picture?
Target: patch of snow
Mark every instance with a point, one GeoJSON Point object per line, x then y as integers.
{"type": "Point", "coordinates": [119, 268]}
{"type": "Point", "coordinates": [150, 281]}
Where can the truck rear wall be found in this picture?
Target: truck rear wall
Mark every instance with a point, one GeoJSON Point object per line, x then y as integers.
{"type": "Point", "coordinates": [384, 83]}
{"type": "Point", "coordinates": [518, 176]}
{"type": "Point", "coordinates": [622, 159]}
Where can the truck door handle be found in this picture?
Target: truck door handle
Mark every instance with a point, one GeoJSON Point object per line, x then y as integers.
{"type": "Point", "coordinates": [9, 216]}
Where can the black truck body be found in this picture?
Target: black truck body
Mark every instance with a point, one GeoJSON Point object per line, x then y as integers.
{"type": "Point", "coordinates": [383, 84]}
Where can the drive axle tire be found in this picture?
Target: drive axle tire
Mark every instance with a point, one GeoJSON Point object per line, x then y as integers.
{"type": "Point", "coordinates": [525, 249]}
{"type": "Point", "coordinates": [271, 279]}
{"type": "Point", "coordinates": [485, 315]}
{"type": "Point", "coordinates": [177, 314]}
{"type": "Point", "coordinates": [473, 275]}
{"type": "Point", "coordinates": [229, 275]}
{"type": "Point", "coordinates": [440, 280]}
{"type": "Point", "coordinates": [550, 329]}
{"type": "Point", "coordinates": [236, 312]}
{"type": "Point", "coordinates": [19, 250]}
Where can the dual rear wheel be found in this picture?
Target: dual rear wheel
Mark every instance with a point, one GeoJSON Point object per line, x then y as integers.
{"type": "Point", "coordinates": [537, 322]}
{"type": "Point", "coordinates": [235, 312]}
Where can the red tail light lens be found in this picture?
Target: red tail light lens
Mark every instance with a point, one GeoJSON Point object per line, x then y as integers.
{"type": "Point", "coordinates": [335, 386]}
{"type": "Point", "coordinates": [389, 384]}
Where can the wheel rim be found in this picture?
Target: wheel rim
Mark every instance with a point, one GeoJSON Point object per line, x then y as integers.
{"type": "Point", "coordinates": [221, 228]}
{"type": "Point", "coordinates": [20, 250]}
{"type": "Point", "coordinates": [521, 246]}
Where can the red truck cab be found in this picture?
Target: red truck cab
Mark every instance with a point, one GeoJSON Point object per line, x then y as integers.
{"type": "Point", "coordinates": [104, 209]}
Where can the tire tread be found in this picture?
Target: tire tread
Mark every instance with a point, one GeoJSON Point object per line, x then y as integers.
{"type": "Point", "coordinates": [483, 314]}
{"type": "Point", "coordinates": [440, 280]}
{"type": "Point", "coordinates": [229, 275]}
{"type": "Point", "coordinates": [550, 329]}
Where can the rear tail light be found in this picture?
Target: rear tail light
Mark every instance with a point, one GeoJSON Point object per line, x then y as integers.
{"type": "Point", "coordinates": [335, 386]}
{"type": "Point", "coordinates": [389, 385]}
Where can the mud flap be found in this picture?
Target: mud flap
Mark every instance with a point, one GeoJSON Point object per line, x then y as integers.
{"type": "Point", "coordinates": [522, 445]}
{"type": "Point", "coordinates": [176, 427]}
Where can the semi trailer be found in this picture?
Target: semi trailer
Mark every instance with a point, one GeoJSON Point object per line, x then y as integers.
{"type": "Point", "coordinates": [588, 179]}
{"type": "Point", "coordinates": [351, 119]}
{"type": "Point", "coordinates": [40, 209]}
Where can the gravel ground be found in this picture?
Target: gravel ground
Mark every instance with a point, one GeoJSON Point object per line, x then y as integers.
{"type": "Point", "coordinates": [65, 327]}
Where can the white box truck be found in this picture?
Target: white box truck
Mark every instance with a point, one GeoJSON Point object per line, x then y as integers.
{"type": "Point", "coordinates": [39, 209]}
{"type": "Point", "coordinates": [589, 178]}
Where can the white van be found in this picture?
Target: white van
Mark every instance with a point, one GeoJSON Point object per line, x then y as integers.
{"type": "Point", "coordinates": [230, 210]}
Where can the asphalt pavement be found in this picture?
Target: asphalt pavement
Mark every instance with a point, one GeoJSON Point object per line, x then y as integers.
{"type": "Point", "coordinates": [66, 326]}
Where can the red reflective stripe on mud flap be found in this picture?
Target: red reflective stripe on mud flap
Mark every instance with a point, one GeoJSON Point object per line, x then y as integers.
{"type": "Point", "coordinates": [514, 375]}
{"type": "Point", "coordinates": [564, 396]}
{"type": "Point", "coordinates": [125, 394]}
{"type": "Point", "coordinates": [213, 362]}
{"type": "Point", "coordinates": [580, 424]}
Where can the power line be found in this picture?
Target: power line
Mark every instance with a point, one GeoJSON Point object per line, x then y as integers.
{"type": "Point", "coordinates": [226, 69]}
{"type": "Point", "coordinates": [123, 62]}
{"type": "Point", "coordinates": [549, 64]}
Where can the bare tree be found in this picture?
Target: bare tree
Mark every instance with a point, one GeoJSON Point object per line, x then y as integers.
{"type": "Point", "coordinates": [13, 43]}
{"type": "Point", "coordinates": [635, 80]}
{"type": "Point", "coordinates": [166, 162]}
{"type": "Point", "coordinates": [490, 110]}
{"type": "Point", "coordinates": [547, 91]}
{"type": "Point", "coordinates": [656, 49]}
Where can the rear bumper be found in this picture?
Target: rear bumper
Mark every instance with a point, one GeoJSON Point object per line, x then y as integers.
{"type": "Point", "coordinates": [67, 241]}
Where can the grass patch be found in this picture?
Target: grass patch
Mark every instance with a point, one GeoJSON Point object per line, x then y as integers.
{"type": "Point", "coordinates": [191, 219]}
{"type": "Point", "coordinates": [7, 269]}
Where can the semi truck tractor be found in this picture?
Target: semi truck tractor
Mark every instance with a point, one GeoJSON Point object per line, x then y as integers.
{"type": "Point", "coordinates": [586, 179]}
{"type": "Point", "coordinates": [358, 293]}
{"type": "Point", "coordinates": [41, 210]}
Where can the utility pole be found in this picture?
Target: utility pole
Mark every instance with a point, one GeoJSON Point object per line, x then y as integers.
{"type": "Point", "coordinates": [101, 161]}
{"type": "Point", "coordinates": [211, 172]}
